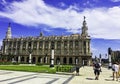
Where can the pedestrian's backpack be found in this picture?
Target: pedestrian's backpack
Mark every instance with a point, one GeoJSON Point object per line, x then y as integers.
{"type": "Point", "coordinates": [97, 65]}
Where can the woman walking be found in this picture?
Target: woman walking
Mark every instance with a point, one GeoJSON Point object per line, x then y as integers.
{"type": "Point", "coordinates": [115, 68]}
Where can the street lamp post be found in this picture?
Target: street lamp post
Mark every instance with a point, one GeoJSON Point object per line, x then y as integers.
{"type": "Point", "coordinates": [19, 58]}
{"type": "Point", "coordinates": [52, 55]}
{"type": "Point", "coordinates": [95, 58]}
{"type": "Point", "coordinates": [100, 58]}
{"type": "Point", "coordinates": [109, 58]}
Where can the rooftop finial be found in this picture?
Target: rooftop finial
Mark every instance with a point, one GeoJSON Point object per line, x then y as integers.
{"type": "Point", "coordinates": [84, 18]}
{"type": "Point", "coordinates": [8, 33]}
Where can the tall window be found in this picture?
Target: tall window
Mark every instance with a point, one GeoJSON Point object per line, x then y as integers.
{"type": "Point", "coordinates": [84, 43]}
{"type": "Point", "coordinates": [52, 45]}
{"type": "Point", "coordinates": [18, 45]}
{"type": "Point", "coordinates": [10, 44]}
{"type": "Point", "coordinates": [14, 44]}
{"type": "Point", "coordinates": [29, 45]}
{"type": "Point", "coordinates": [24, 44]}
{"type": "Point", "coordinates": [46, 44]}
{"type": "Point", "coordinates": [71, 44]}
{"type": "Point", "coordinates": [40, 44]}
{"type": "Point", "coordinates": [76, 44]}
{"type": "Point", "coordinates": [35, 45]}
{"type": "Point", "coordinates": [58, 44]}
{"type": "Point", "coordinates": [65, 44]}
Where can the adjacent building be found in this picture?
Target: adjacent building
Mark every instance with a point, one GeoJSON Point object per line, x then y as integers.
{"type": "Point", "coordinates": [71, 49]}
{"type": "Point", "coordinates": [115, 56]}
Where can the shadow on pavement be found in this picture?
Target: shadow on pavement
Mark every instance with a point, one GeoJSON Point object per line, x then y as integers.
{"type": "Point", "coordinates": [111, 76]}
{"type": "Point", "coordinates": [108, 79]}
{"type": "Point", "coordinates": [90, 78]}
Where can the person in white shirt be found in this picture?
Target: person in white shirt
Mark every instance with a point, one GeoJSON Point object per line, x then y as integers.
{"type": "Point", "coordinates": [115, 68]}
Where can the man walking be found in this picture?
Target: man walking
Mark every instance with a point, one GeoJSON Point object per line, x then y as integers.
{"type": "Point", "coordinates": [77, 70]}
{"type": "Point", "coordinates": [96, 68]}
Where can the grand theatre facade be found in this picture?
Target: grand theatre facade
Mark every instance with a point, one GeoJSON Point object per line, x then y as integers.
{"type": "Point", "coordinates": [70, 49]}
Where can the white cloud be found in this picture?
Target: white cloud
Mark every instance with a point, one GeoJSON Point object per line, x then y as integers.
{"type": "Point", "coordinates": [3, 2]}
{"type": "Point", "coordinates": [102, 22]}
{"type": "Point", "coordinates": [62, 4]}
{"type": "Point", "coordinates": [86, 3]}
{"type": "Point", "coordinates": [115, 0]}
{"type": "Point", "coordinates": [89, 4]}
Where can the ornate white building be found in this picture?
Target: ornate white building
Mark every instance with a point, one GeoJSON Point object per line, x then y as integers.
{"type": "Point", "coordinates": [69, 49]}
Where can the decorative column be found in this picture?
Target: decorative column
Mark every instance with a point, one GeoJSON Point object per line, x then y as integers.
{"type": "Point", "coordinates": [30, 52]}
{"type": "Point", "coordinates": [76, 60]}
{"type": "Point", "coordinates": [43, 47]}
{"type": "Point", "coordinates": [56, 53]}
{"type": "Point", "coordinates": [37, 48]}
{"type": "Point", "coordinates": [73, 60]}
{"type": "Point", "coordinates": [87, 47]}
{"type": "Point", "coordinates": [67, 58]}
{"type": "Point", "coordinates": [80, 60]}
{"type": "Point", "coordinates": [21, 47]}
{"type": "Point", "coordinates": [68, 48]}
{"type": "Point", "coordinates": [30, 57]}
{"type": "Point", "coordinates": [61, 60]}
{"type": "Point", "coordinates": [89, 62]}
{"type": "Point", "coordinates": [52, 54]}
{"type": "Point", "coordinates": [46, 59]}
{"type": "Point", "coordinates": [41, 60]}
{"type": "Point", "coordinates": [19, 59]}
{"type": "Point", "coordinates": [73, 47]}
{"type": "Point", "coordinates": [82, 45]}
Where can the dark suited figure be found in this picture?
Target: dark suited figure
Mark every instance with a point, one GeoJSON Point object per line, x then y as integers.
{"type": "Point", "coordinates": [77, 70]}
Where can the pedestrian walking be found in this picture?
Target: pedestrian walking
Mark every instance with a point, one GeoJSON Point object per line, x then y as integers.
{"type": "Point", "coordinates": [115, 69]}
{"type": "Point", "coordinates": [77, 70]}
{"type": "Point", "coordinates": [96, 68]}
{"type": "Point", "coordinates": [119, 71]}
{"type": "Point", "coordinates": [100, 67]}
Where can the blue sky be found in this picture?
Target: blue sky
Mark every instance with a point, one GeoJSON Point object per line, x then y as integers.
{"type": "Point", "coordinates": [64, 17]}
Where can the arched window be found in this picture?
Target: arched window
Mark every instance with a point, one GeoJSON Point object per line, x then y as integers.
{"type": "Point", "coordinates": [27, 59]}
{"type": "Point", "coordinates": [76, 44]}
{"type": "Point", "coordinates": [70, 60]}
{"type": "Point", "coordinates": [46, 45]}
{"type": "Point", "coordinates": [39, 60]}
{"type": "Point", "coordinates": [71, 44]}
{"type": "Point", "coordinates": [40, 44]}
{"type": "Point", "coordinates": [35, 45]}
{"type": "Point", "coordinates": [22, 59]}
{"type": "Point", "coordinates": [58, 44]}
{"type": "Point", "coordinates": [65, 44]}
{"type": "Point", "coordinates": [33, 60]}
{"type": "Point", "coordinates": [64, 60]}
{"type": "Point", "coordinates": [24, 45]}
{"type": "Point", "coordinates": [57, 60]}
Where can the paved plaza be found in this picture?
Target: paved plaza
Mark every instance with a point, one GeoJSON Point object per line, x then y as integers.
{"type": "Point", "coordinates": [86, 77]}
{"type": "Point", "coordinates": [16, 77]}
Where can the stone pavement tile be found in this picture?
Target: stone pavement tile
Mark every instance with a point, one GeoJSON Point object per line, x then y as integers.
{"type": "Point", "coordinates": [17, 77]}
{"type": "Point", "coordinates": [87, 77]}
